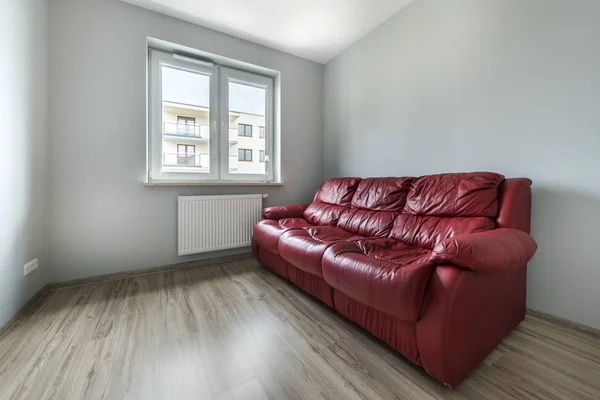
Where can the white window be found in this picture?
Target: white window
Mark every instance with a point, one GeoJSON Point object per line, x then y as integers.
{"type": "Point", "coordinates": [202, 118]}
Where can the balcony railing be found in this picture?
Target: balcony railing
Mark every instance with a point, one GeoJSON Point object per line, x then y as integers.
{"type": "Point", "coordinates": [196, 131]}
{"type": "Point", "coordinates": [190, 130]}
{"type": "Point", "coordinates": [200, 161]}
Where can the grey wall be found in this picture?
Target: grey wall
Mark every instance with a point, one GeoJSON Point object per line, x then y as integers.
{"type": "Point", "coordinates": [510, 86]}
{"type": "Point", "coordinates": [102, 218]}
{"type": "Point", "coordinates": [23, 147]}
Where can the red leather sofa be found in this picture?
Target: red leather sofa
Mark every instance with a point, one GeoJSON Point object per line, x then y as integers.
{"type": "Point", "coordinates": [434, 266]}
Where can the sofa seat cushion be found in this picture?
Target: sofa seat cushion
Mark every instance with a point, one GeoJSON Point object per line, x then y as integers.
{"type": "Point", "coordinates": [267, 232]}
{"type": "Point", "coordinates": [384, 274]}
{"type": "Point", "coordinates": [304, 248]}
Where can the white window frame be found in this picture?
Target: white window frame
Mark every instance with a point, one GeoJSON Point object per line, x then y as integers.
{"type": "Point", "coordinates": [220, 76]}
{"type": "Point", "coordinates": [158, 59]}
{"type": "Point", "coordinates": [250, 79]}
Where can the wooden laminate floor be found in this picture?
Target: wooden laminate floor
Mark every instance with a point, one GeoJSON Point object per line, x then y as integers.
{"type": "Point", "coordinates": [237, 331]}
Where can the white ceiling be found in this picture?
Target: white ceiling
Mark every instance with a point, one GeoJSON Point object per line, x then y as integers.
{"type": "Point", "coordinates": [317, 30]}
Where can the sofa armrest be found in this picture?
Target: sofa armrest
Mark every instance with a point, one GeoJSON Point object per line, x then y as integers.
{"type": "Point", "coordinates": [281, 212]}
{"type": "Point", "coordinates": [499, 249]}
{"type": "Point", "coordinates": [465, 315]}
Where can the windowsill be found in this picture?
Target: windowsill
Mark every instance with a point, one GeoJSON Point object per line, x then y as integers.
{"type": "Point", "coordinates": [221, 183]}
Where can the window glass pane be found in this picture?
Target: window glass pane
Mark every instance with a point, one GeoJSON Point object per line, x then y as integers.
{"type": "Point", "coordinates": [247, 109]}
{"type": "Point", "coordinates": [185, 121]}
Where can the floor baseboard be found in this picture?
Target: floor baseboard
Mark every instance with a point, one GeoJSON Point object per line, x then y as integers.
{"type": "Point", "coordinates": [29, 304]}
{"type": "Point", "coordinates": [567, 323]}
{"type": "Point", "coordinates": [147, 271]}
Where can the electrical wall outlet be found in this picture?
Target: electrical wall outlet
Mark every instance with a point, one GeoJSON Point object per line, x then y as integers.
{"type": "Point", "coordinates": [30, 267]}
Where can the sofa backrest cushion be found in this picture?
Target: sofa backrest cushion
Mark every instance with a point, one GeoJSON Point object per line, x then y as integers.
{"type": "Point", "coordinates": [330, 202]}
{"type": "Point", "coordinates": [337, 191]}
{"type": "Point", "coordinates": [375, 205]}
{"type": "Point", "coordinates": [382, 194]}
{"type": "Point", "coordinates": [473, 194]}
{"type": "Point", "coordinates": [442, 206]}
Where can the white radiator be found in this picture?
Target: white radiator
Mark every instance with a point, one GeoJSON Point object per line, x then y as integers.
{"type": "Point", "coordinates": [210, 223]}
